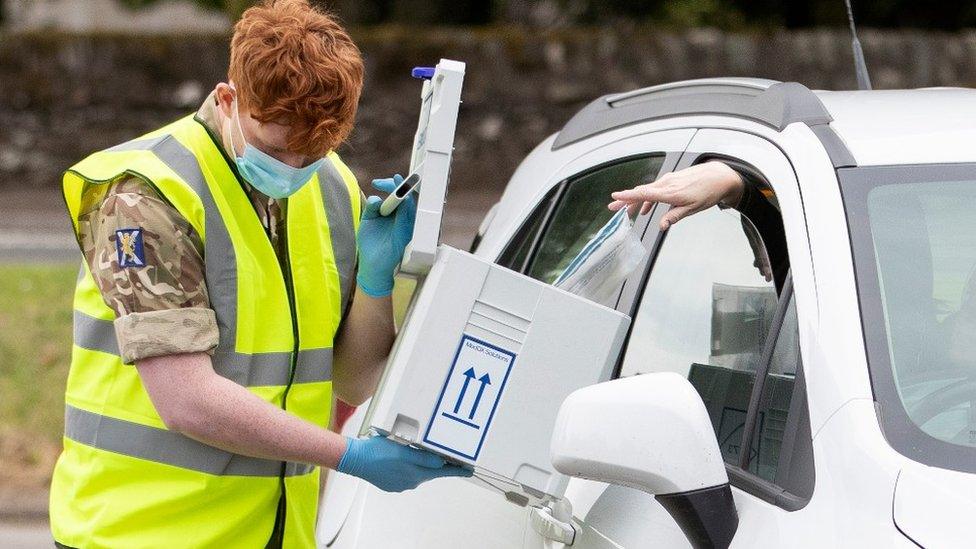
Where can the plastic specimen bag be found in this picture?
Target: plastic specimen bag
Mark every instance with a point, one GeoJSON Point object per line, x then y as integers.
{"type": "Point", "coordinates": [603, 264]}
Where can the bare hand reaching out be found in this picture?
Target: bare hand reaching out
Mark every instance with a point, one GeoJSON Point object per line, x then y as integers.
{"type": "Point", "coordinates": [687, 191]}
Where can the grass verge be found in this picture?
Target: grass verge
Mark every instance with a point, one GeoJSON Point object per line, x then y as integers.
{"type": "Point", "coordinates": [35, 352]}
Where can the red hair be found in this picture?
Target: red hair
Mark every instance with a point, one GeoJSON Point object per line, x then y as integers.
{"type": "Point", "coordinates": [295, 65]}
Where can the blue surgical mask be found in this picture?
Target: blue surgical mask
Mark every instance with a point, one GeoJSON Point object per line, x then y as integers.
{"type": "Point", "coordinates": [266, 173]}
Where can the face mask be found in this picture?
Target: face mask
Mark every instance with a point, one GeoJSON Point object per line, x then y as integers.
{"type": "Point", "coordinates": [266, 173]}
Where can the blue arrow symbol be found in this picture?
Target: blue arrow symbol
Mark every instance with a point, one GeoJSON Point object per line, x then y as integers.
{"type": "Point", "coordinates": [468, 376]}
{"type": "Point", "coordinates": [485, 380]}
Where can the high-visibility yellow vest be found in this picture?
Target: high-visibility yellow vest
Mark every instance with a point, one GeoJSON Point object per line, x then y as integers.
{"type": "Point", "coordinates": [124, 480]}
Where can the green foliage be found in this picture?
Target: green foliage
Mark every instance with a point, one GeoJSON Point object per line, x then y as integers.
{"type": "Point", "coordinates": [35, 353]}
{"type": "Point", "coordinates": [700, 13]}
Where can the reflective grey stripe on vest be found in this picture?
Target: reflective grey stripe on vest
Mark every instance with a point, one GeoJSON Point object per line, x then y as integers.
{"type": "Point", "coordinates": [261, 369]}
{"type": "Point", "coordinates": [258, 370]}
{"type": "Point", "coordinates": [266, 369]}
{"type": "Point", "coordinates": [168, 447]}
{"type": "Point", "coordinates": [95, 334]}
{"type": "Point", "coordinates": [338, 208]}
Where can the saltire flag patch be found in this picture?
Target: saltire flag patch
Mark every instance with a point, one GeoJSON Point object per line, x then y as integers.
{"type": "Point", "coordinates": [128, 242]}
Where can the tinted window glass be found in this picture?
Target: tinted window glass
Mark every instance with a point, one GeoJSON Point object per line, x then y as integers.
{"type": "Point", "coordinates": [774, 405]}
{"type": "Point", "coordinates": [914, 237]}
{"type": "Point", "coordinates": [517, 253]}
{"type": "Point", "coordinates": [583, 210]}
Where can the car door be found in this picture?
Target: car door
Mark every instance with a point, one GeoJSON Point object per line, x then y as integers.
{"type": "Point", "coordinates": [570, 208]}
{"type": "Point", "coordinates": [707, 307]}
{"type": "Point", "coordinates": [774, 481]}
{"type": "Point", "coordinates": [564, 221]}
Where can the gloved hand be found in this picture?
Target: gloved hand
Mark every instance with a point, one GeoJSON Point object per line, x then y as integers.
{"type": "Point", "coordinates": [393, 467]}
{"type": "Point", "coordinates": [382, 239]}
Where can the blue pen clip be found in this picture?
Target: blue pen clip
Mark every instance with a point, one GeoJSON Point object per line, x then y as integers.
{"type": "Point", "coordinates": [423, 72]}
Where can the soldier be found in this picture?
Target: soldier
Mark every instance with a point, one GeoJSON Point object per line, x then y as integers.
{"type": "Point", "coordinates": [217, 310]}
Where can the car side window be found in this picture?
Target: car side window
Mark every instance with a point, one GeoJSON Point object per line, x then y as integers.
{"type": "Point", "coordinates": [776, 399]}
{"type": "Point", "coordinates": [582, 211]}
{"type": "Point", "coordinates": [706, 313]}
{"type": "Point", "coordinates": [516, 254]}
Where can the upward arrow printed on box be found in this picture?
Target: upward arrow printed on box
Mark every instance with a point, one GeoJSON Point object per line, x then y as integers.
{"type": "Point", "coordinates": [485, 380]}
{"type": "Point", "coordinates": [468, 376]}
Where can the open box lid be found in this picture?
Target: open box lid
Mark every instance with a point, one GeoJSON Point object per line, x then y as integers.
{"type": "Point", "coordinates": [433, 148]}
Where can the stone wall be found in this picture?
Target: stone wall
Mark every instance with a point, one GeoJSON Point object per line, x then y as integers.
{"type": "Point", "coordinates": [110, 15]}
{"type": "Point", "coordinates": [63, 96]}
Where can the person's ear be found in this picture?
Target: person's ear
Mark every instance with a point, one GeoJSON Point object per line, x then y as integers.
{"type": "Point", "coordinates": [225, 99]}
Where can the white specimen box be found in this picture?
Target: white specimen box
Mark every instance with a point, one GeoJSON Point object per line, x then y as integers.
{"type": "Point", "coordinates": [486, 355]}
{"type": "Point", "coordinates": [484, 360]}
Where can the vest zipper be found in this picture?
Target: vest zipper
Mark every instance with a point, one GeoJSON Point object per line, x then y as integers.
{"type": "Point", "coordinates": [285, 263]}
{"type": "Point", "coordinates": [278, 532]}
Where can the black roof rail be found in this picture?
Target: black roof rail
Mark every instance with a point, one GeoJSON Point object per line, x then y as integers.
{"type": "Point", "coordinates": [775, 104]}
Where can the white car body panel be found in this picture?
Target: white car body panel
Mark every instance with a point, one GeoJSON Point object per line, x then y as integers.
{"type": "Point", "coordinates": [905, 126]}
{"type": "Point", "coordinates": [855, 502]}
{"type": "Point", "coordinates": [934, 506]}
{"type": "Point", "coordinates": [356, 514]}
{"type": "Point", "coordinates": [834, 341]}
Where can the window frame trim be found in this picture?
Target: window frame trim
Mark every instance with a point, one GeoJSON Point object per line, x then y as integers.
{"type": "Point", "coordinates": [558, 194]}
{"type": "Point", "coordinates": [765, 361]}
{"type": "Point", "coordinates": [748, 481]}
{"type": "Point", "coordinates": [553, 195]}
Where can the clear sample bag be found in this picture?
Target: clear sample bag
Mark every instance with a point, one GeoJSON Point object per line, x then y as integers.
{"type": "Point", "coordinates": [603, 264]}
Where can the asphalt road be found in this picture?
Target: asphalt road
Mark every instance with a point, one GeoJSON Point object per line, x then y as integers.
{"type": "Point", "coordinates": [25, 536]}
{"type": "Point", "coordinates": [34, 227]}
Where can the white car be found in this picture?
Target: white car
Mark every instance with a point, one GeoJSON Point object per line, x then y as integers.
{"type": "Point", "coordinates": [852, 380]}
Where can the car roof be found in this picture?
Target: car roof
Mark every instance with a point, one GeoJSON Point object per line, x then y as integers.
{"type": "Point", "coordinates": [933, 125]}
{"type": "Point", "coordinates": [856, 127]}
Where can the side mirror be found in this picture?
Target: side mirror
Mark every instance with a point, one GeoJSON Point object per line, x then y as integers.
{"type": "Point", "coordinates": [650, 432]}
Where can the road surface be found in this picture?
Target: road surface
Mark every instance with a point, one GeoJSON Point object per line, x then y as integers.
{"type": "Point", "coordinates": [34, 226]}
{"type": "Point", "coordinates": [25, 536]}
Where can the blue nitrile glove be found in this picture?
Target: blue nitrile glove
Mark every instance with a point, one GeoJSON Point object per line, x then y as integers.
{"type": "Point", "coordinates": [393, 467]}
{"type": "Point", "coordinates": [382, 239]}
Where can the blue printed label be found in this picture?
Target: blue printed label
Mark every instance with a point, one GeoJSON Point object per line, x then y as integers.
{"type": "Point", "coordinates": [469, 398]}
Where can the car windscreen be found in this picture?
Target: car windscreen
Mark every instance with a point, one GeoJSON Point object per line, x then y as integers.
{"type": "Point", "coordinates": [913, 230]}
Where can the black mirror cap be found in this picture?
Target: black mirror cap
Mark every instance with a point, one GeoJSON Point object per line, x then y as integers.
{"type": "Point", "coordinates": [707, 516]}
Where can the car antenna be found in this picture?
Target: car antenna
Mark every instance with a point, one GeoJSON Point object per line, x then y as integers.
{"type": "Point", "coordinates": [860, 67]}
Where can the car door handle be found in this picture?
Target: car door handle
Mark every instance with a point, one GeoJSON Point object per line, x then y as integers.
{"type": "Point", "coordinates": [555, 522]}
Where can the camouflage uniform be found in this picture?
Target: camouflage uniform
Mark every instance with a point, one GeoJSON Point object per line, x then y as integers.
{"type": "Point", "coordinates": [161, 308]}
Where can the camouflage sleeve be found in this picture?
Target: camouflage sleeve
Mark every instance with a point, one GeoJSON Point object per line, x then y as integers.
{"type": "Point", "coordinates": [147, 261]}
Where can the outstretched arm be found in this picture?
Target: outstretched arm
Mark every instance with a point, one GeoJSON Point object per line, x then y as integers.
{"type": "Point", "coordinates": [712, 183]}
{"type": "Point", "coordinates": [688, 191]}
